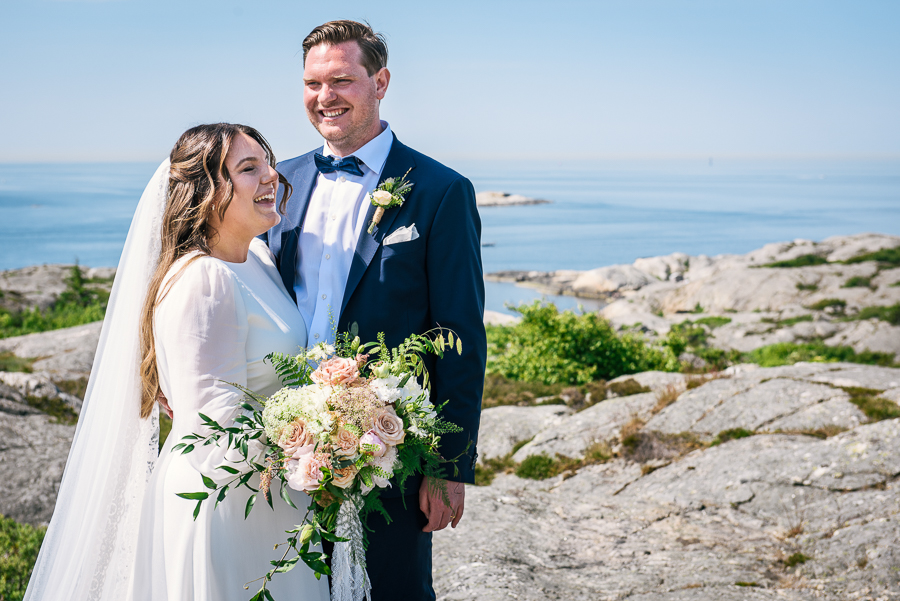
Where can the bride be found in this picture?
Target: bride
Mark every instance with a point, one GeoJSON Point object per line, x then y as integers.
{"type": "Point", "coordinates": [197, 303]}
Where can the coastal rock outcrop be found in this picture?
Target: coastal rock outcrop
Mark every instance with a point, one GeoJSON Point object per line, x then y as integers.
{"type": "Point", "coordinates": [505, 199]}
{"type": "Point", "coordinates": [798, 514]}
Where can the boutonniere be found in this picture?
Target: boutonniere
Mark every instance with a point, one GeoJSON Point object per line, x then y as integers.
{"type": "Point", "coordinates": [391, 193]}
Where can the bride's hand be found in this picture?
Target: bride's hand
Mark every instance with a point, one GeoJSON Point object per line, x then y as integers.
{"type": "Point", "coordinates": [164, 403]}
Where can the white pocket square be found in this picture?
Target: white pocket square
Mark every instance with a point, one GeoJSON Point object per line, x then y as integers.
{"type": "Point", "coordinates": [403, 234]}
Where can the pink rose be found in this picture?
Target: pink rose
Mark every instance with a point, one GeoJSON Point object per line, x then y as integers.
{"type": "Point", "coordinates": [295, 436]}
{"type": "Point", "coordinates": [370, 438]}
{"type": "Point", "coordinates": [345, 443]}
{"type": "Point", "coordinates": [389, 427]}
{"type": "Point", "coordinates": [344, 477]}
{"type": "Point", "coordinates": [336, 371]}
{"type": "Point", "coordinates": [304, 473]}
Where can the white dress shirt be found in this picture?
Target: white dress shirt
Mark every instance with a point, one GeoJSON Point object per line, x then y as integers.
{"type": "Point", "coordinates": [334, 221]}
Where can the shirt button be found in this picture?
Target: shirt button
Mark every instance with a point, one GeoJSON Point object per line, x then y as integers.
{"type": "Point", "coordinates": [327, 257]}
{"type": "Point", "coordinates": [315, 335]}
{"type": "Point", "coordinates": [333, 216]}
{"type": "Point", "coordinates": [324, 296]}
{"type": "Point", "coordinates": [343, 179]}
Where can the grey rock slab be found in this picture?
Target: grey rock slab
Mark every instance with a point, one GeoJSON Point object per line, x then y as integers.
{"type": "Point", "coordinates": [35, 286]}
{"type": "Point", "coordinates": [503, 427]}
{"type": "Point", "coordinates": [860, 376]}
{"type": "Point", "coordinates": [693, 405]}
{"type": "Point", "coordinates": [761, 405]}
{"type": "Point", "coordinates": [600, 422]}
{"type": "Point", "coordinates": [868, 335]}
{"type": "Point", "coordinates": [33, 452]}
{"type": "Point", "coordinates": [654, 380]}
{"type": "Point", "coordinates": [37, 385]}
{"type": "Point", "coordinates": [66, 354]}
{"type": "Point", "coordinates": [836, 411]}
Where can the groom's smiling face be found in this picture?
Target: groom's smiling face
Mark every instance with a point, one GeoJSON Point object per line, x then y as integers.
{"type": "Point", "coordinates": [340, 96]}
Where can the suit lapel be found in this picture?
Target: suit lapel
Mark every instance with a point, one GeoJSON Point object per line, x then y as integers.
{"type": "Point", "coordinates": [302, 180]}
{"type": "Point", "coordinates": [399, 161]}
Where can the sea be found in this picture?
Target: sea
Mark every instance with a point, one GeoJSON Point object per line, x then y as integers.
{"type": "Point", "coordinates": [602, 212]}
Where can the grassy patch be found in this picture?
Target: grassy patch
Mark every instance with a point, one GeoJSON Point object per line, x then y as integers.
{"type": "Point", "coordinates": [541, 467]}
{"type": "Point", "coordinates": [801, 261]}
{"type": "Point", "coordinates": [876, 408]}
{"type": "Point", "coordinates": [782, 323]}
{"type": "Point", "coordinates": [10, 362]}
{"type": "Point", "coordinates": [714, 321]}
{"type": "Point", "coordinates": [74, 387]}
{"type": "Point", "coordinates": [890, 314]}
{"type": "Point", "coordinates": [831, 305]}
{"type": "Point", "coordinates": [889, 256]}
{"type": "Point", "coordinates": [627, 387]}
{"type": "Point", "coordinates": [807, 287]}
{"type": "Point", "coordinates": [741, 583]}
{"type": "Point", "coordinates": [796, 559]}
{"type": "Point", "coordinates": [858, 282]}
{"type": "Point", "coordinates": [666, 397]}
{"type": "Point", "coordinates": [19, 546]}
{"type": "Point", "coordinates": [500, 390]}
{"type": "Point", "coordinates": [788, 353]}
{"type": "Point", "coordinates": [59, 410]}
{"type": "Point", "coordinates": [76, 306]}
{"type": "Point", "coordinates": [732, 434]}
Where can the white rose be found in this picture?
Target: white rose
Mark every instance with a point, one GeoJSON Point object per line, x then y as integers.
{"type": "Point", "coordinates": [381, 197]}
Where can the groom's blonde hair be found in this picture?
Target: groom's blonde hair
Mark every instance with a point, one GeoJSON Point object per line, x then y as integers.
{"type": "Point", "coordinates": [199, 184]}
{"type": "Point", "coordinates": [373, 46]}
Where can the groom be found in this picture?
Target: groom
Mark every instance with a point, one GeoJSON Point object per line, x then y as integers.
{"type": "Point", "coordinates": [419, 268]}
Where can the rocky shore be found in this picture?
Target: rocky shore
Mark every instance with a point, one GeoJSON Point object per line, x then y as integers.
{"type": "Point", "coordinates": [783, 292]}
{"type": "Point", "coordinates": [750, 483]}
{"type": "Point", "coordinates": [505, 199]}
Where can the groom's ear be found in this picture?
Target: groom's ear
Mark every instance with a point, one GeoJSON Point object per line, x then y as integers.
{"type": "Point", "coordinates": [382, 79]}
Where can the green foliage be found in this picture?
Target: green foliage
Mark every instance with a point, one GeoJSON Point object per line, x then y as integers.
{"type": "Point", "coordinates": [697, 308]}
{"type": "Point", "coordinates": [889, 256]}
{"type": "Point", "coordinates": [19, 546]}
{"type": "Point", "coordinates": [781, 323]}
{"type": "Point", "coordinates": [788, 353]}
{"type": "Point", "coordinates": [890, 314]}
{"type": "Point", "coordinates": [165, 427]}
{"type": "Point", "coordinates": [858, 282]}
{"type": "Point", "coordinates": [732, 434]}
{"type": "Point", "coordinates": [832, 305]}
{"type": "Point", "coordinates": [801, 261]}
{"type": "Point", "coordinates": [714, 321]}
{"type": "Point", "coordinates": [537, 467]}
{"type": "Point", "coordinates": [76, 306]}
{"type": "Point", "coordinates": [807, 287]}
{"type": "Point", "coordinates": [10, 362]}
{"type": "Point", "coordinates": [552, 347]}
{"type": "Point", "coordinates": [741, 583]}
{"type": "Point", "coordinates": [796, 559]}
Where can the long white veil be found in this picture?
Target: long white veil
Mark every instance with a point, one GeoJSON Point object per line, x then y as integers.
{"type": "Point", "coordinates": [89, 548]}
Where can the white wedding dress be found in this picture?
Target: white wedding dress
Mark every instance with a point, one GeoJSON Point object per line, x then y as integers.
{"type": "Point", "coordinates": [214, 326]}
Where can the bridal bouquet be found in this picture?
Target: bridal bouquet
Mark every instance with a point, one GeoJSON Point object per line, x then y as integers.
{"type": "Point", "coordinates": [350, 418]}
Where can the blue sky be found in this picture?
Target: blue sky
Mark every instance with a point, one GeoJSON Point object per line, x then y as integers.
{"type": "Point", "coordinates": [120, 80]}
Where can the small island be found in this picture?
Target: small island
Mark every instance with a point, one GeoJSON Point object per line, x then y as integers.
{"type": "Point", "coordinates": [505, 199]}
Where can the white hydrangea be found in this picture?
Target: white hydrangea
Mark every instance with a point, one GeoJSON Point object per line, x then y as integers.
{"type": "Point", "coordinates": [288, 404]}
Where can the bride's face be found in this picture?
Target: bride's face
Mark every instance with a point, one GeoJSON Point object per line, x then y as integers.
{"type": "Point", "coordinates": [252, 209]}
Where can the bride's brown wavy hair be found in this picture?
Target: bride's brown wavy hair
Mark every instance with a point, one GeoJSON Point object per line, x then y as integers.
{"type": "Point", "coordinates": [199, 184]}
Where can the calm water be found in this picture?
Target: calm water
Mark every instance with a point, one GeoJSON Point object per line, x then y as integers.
{"type": "Point", "coordinates": [603, 212]}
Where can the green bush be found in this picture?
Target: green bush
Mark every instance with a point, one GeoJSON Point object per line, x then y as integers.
{"type": "Point", "coordinates": [19, 546]}
{"type": "Point", "coordinates": [788, 353]}
{"type": "Point", "coordinates": [801, 261]}
{"type": "Point", "coordinates": [537, 467]}
{"type": "Point", "coordinates": [807, 287]}
{"type": "Point", "coordinates": [732, 434]}
{"type": "Point", "coordinates": [76, 306]}
{"type": "Point", "coordinates": [781, 323]}
{"type": "Point", "coordinates": [796, 559]}
{"type": "Point", "coordinates": [834, 305]}
{"type": "Point", "coordinates": [876, 408]}
{"type": "Point", "coordinates": [552, 347]}
{"type": "Point", "coordinates": [714, 321]}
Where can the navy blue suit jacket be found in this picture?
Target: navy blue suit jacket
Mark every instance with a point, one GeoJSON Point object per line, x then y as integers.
{"type": "Point", "coordinates": [411, 287]}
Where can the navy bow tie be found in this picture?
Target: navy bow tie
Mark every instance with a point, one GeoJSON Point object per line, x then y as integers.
{"type": "Point", "coordinates": [349, 164]}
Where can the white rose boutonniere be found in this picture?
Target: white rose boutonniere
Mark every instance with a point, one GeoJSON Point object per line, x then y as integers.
{"type": "Point", "coordinates": [391, 193]}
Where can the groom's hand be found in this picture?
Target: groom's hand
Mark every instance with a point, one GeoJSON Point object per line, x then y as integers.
{"type": "Point", "coordinates": [432, 504]}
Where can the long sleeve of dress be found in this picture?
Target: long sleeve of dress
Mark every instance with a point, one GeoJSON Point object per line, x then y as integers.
{"type": "Point", "coordinates": [201, 332]}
